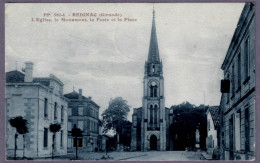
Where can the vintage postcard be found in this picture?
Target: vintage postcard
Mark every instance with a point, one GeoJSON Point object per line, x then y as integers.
{"type": "Point", "coordinates": [130, 81]}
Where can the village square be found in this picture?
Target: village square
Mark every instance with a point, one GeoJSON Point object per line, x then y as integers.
{"type": "Point", "coordinates": [45, 121]}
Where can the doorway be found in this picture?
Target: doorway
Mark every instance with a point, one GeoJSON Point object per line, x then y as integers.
{"type": "Point", "coordinates": [153, 142]}
{"type": "Point", "coordinates": [231, 139]}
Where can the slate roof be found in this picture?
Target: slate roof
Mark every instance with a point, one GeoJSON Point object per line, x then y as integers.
{"type": "Point", "coordinates": [75, 96]}
{"type": "Point", "coordinates": [215, 114]}
{"type": "Point", "coordinates": [14, 76]}
{"type": "Point", "coordinates": [153, 55]}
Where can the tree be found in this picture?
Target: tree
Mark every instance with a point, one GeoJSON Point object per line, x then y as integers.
{"type": "Point", "coordinates": [115, 116]}
{"type": "Point", "coordinates": [21, 128]}
{"type": "Point", "coordinates": [186, 119]}
{"type": "Point", "coordinates": [125, 134]}
{"type": "Point", "coordinates": [76, 132]}
{"type": "Point", "coordinates": [54, 128]}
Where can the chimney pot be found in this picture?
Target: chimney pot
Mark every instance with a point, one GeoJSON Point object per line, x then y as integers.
{"type": "Point", "coordinates": [28, 71]}
{"type": "Point", "coordinates": [80, 94]}
{"type": "Point", "coordinates": [80, 91]}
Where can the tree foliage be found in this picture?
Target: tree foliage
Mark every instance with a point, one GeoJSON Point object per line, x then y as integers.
{"type": "Point", "coordinates": [115, 115]}
{"type": "Point", "coordinates": [125, 134]}
{"type": "Point", "coordinates": [76, 132]}
{"type": "Point", "coordinates": [125, 137]}
{"type": "Point", "coordinates": [186, 119]}
{"type": "Point", "coordinates": [55, 127]}
{"type": "Point", "coordinates": [20, 124]}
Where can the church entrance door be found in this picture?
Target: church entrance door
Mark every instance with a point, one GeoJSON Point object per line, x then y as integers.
{"type": "Point", "coordinates": [153, 142]}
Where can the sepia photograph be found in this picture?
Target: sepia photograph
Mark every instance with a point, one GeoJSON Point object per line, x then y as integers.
{"type": "Point", "coordinates": [130, 81]}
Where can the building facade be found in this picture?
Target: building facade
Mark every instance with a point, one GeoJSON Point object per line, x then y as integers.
{"type": "Point", "coordinates": [150, 122]}
{"type": "Point", "coordinates": [212, 140]}
{"type": "Point", "coordinates": [84, 113]}
{"type": "Point", "coordinates": [41, 102]}
{"type": "Point", "coordinates": [238, 105]}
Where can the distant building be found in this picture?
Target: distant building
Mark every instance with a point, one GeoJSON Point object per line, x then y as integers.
{"type": "Point", "coordinates": [41, 102]}
{"type": "Point", "coordinates": [84, 113]}
{"type": "Point", "coordinates": [213, 116]}
{"type": "Point", "coordinates": [238, 105]}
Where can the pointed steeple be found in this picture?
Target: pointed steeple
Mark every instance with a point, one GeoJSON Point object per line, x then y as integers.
{"type": "Point", "coordinates": [153, 55]}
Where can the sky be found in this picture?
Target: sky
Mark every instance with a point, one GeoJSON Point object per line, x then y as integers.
{"type": "Point", "coordinates": [106, 58]}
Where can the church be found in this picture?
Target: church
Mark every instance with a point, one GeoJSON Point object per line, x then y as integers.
{"type": "Point", "coordinates": [151, 122]}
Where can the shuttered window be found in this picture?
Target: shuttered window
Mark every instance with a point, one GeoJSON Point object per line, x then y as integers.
{"type": "Point", "coordinates": [45, 107]}
{"type": "Point", "coordinates": [69, 126]}
{"type": "Point", "coordinates": [80, 111]}
{"type": "Point", "coordinates": [69, 111]}
{"type": "Point", "coordinates": [62, 114]}
{"type": "Point", "coordinates": [61, 138]}
{"type": "Point", "coordinates": [80, 125]}
{"type": "Point", "coordinates": [74, 111]}
{"type": "Point", "coordinates": [233, 80]}
{"type": "Point", "coordinates": [239, 70]}
{"type": "Point", "coordinates": [45, 138]}
{"type": "Point", "coordinates": [246, 57]}
{"type": "Point", "coordinates": [55, 111]}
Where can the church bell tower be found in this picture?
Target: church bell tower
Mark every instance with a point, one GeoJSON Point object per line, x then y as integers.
{"type": "Point", "coordinates": [153, 125]}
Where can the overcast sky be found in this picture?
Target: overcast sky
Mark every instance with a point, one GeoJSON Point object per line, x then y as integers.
{"type": "Point", "coordinates": [106, 59]}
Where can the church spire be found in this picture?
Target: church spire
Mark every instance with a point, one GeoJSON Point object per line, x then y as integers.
{"type": "Point", "coordinates": [153, 55]}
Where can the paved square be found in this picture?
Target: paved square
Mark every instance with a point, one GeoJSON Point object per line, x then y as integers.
{"type": "Point", "coordinates": [140, 156]}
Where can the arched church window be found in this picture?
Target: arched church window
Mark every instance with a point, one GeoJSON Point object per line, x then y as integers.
{"type": "Point", "coordinates": [153, 68]}
{"type": "Point", "coordinates": [153, 89]}
{"type": "Point", "coordinates": [155, 114]}
{"type": "Point", "coordinates": [151, 114]}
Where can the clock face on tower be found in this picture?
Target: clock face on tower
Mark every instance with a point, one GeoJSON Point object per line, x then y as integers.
{"type": "Point", "coordinates": [153, 83]}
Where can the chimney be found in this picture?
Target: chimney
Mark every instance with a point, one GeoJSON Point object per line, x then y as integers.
{"type": "Point", "coordinates": [28, 71]}
{"type": "Point", "coordinates": [80, 94]}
